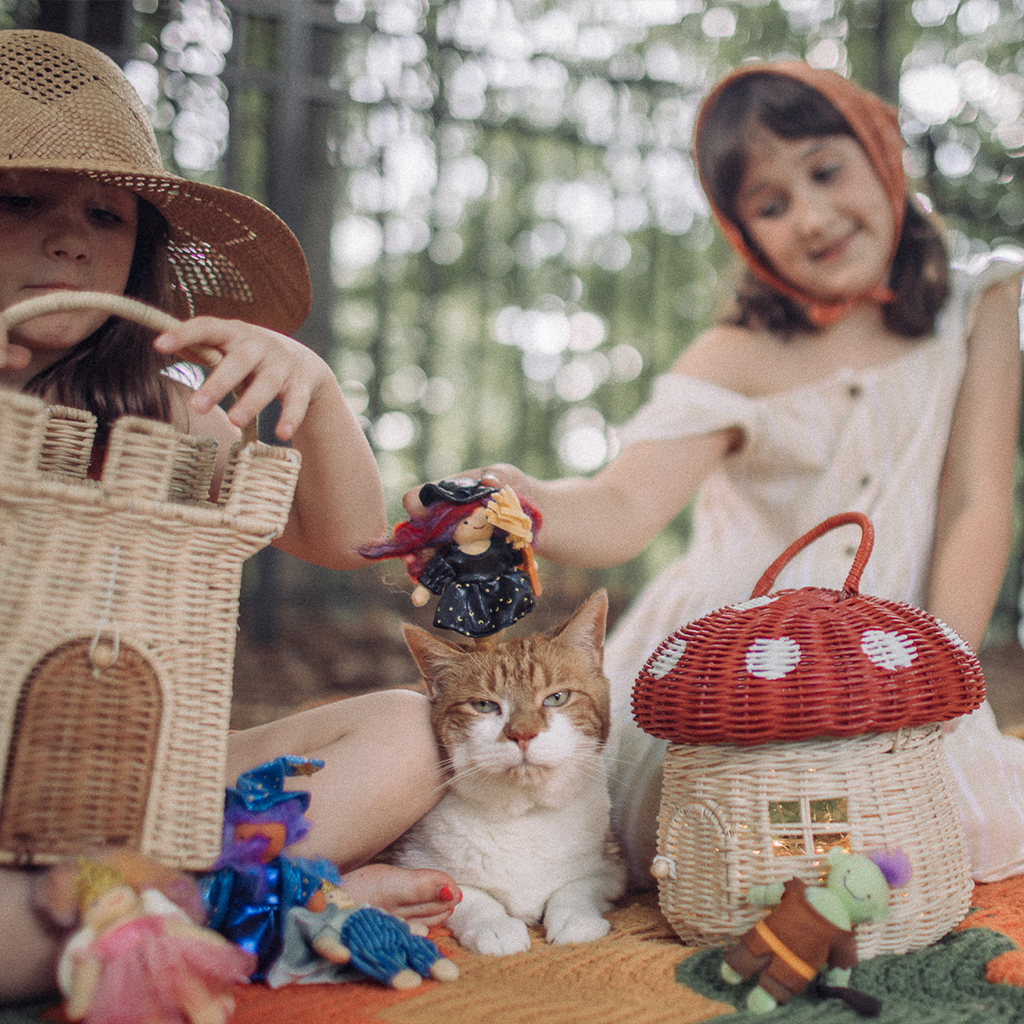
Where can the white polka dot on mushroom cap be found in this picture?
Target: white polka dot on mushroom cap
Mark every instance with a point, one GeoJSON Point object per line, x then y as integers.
{"type": "Point", "coordinates": [772, 658]}
{"type": "Point", "coordinates": [754, 602]}
{"type": "Point", "coordinates": [887, 649]}
{"type": "Point", "coordinates": [954, 637]}
{"type": "Point", "coordinates": [668, 658]}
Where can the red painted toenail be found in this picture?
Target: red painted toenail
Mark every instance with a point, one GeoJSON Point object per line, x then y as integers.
{"type": "Point", "coordinates": [445, 894]}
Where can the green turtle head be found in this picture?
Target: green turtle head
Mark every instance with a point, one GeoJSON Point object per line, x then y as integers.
{"type": "Point", "coordinates": [859, 884]}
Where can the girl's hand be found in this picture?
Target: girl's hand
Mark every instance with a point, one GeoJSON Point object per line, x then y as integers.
{"type": "Point", "coordinates": [12, 357]}
{"type": "Point", "coordinates": [257, 364]}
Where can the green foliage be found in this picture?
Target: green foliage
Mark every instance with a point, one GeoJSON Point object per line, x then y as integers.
{"type": "Point", "coordinates": [497, 201]}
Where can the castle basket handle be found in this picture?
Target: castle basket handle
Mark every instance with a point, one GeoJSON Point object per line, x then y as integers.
{"type": "Point", "coordinates": [116, 305]}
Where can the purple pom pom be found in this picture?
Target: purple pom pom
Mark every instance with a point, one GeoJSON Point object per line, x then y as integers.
{"type": "Point", "coordinates": [894, 865]}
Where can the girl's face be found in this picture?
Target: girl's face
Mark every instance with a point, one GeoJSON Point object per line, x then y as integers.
{"type": "Point", "coordinates": [62, 232]}
{"type": "Point", "coordinates": [818, 212]}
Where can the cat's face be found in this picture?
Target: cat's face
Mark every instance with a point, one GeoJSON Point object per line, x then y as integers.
{"type": "Point", "coordinates": [519, 709]}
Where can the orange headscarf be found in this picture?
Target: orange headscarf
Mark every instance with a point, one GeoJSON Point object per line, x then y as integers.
{"type": "Point", "coordinates": [874, 125]}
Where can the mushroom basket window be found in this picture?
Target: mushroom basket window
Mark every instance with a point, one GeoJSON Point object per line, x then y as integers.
{"type": "Point", "coordinates": [799, 721]}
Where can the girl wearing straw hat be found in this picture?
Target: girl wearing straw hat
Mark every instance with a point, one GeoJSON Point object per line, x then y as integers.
{"type": "Point", "coordinates": [86, 206]}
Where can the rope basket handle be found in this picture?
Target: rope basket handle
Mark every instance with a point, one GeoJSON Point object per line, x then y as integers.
{"type": "Point", "coordinates": [860, 559]}
{"type": "Point", "coordinates": [116, 305]}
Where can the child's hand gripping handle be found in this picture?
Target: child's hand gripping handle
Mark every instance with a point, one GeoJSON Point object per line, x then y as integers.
{"type": "Point", "coordinates": [116, 305]}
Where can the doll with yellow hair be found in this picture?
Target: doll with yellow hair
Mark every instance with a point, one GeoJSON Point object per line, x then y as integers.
{"type": "Point", "coordinates": [138, 957]}
{"type": "Point", "coordinates": [473, 548]}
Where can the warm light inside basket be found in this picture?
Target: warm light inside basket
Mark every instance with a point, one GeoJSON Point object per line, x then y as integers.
{"type": "Point", "coordinates": [805, 827]}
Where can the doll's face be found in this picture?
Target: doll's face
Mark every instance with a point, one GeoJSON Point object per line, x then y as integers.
{"type": "Point", "coordinates": [474, 527]}
{"type": "Point", "coordinates": [114, 905]}
{"type": "Point", "coordinates": [274, 832]}
{"type": "Point", "coordinates": [818, 212]}
{"type": "Point", "coordinates": [860, 886]}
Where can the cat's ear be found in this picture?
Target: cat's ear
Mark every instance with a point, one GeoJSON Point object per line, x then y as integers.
{"type": "Point", "coordinates": [431, 654]}
{"type": "Point", "coordinates": [586, 626]}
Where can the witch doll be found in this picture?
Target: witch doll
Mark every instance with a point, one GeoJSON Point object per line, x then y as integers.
{"type": "Point", "coordinates": [473, 549]}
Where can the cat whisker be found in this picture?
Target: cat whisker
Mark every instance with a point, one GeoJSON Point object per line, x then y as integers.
{"type": "Point", "coordinates": [465, 773]}
{"type": "Point", "coordinates": [614, 759]}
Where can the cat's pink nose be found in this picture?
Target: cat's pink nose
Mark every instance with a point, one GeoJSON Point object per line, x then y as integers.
{"type": "Point", "coordinates": [521, 736]}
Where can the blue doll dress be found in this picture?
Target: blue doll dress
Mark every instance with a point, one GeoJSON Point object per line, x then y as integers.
{"type": "Point", "coordinates": [478, 594]}
{"type": "Point", "coordinates": [250, 906]}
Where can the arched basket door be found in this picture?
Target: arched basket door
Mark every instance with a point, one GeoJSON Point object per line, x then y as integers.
{"type": "Point", "coordinates": [82, 753]}
{"type": "Point", "coordinates": [697, 841]}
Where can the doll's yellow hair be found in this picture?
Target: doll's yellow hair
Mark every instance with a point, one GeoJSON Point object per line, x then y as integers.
{"type": "Point", "coordinates": [93, 881]}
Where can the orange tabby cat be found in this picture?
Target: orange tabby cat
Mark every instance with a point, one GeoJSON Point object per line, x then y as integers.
{"type": "Point", "coordinates": [524, 825]}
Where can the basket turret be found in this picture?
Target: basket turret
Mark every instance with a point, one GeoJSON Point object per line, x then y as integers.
{"type": "Point", "coordinates": [118, 617]}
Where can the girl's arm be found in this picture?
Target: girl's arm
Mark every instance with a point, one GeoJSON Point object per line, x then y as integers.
{"type": "Point", "coordinates": [975, 498]}
{"type": "Point", "coordinates": [339, 500]}
{"type": "Point", "coordinates": [604, 520]}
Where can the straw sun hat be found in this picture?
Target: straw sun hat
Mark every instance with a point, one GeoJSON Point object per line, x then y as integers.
{"type": "Point", "coordinates": [67, 107]}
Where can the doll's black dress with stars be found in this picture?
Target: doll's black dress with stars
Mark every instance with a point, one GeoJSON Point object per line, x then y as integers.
{"type": "Point", "coordinates": [478, 594]}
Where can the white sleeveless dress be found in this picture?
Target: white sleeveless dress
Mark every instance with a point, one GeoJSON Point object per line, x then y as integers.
{"type": "Point", "coordinates": [870, 440]}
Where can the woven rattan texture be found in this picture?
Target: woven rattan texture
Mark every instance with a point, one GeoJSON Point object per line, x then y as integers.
{"type": "Point", "coordinates": [118, 615]}
{"type": "Point", "coordinates": [804, 663]}
{"type": "Point", "coordinates": [720, 830]}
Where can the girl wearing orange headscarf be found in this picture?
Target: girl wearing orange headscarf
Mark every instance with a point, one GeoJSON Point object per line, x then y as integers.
{"type": "Point", "coordinates": [854, 369]}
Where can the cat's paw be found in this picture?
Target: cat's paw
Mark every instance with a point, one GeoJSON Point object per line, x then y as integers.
{"type": "Point", "coordinates": [564, 925]}
{"type": "Point", "coordinates": [496, 936]}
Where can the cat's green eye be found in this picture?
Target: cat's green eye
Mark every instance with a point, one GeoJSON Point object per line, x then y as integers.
{"type": "Point", "coordinates": [485, 707]}
{"type": "Point", "coordinates": [556, 700]}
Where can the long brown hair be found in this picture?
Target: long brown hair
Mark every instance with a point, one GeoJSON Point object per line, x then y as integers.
{"type": "Point", "coordinates": [115, 371]}
{"type": "Point", "coordinates": [919, 276]}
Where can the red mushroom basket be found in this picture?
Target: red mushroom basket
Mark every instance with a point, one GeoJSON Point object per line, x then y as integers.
{"type": "Point", "coordinates": [801, 720]}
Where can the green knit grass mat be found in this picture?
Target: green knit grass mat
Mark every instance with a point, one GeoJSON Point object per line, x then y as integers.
{"type": "Point", "coordinates": [943, 984]}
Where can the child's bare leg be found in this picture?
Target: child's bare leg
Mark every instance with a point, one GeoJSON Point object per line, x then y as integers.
{"type": "Point", "coordinates": [380, 775]}
{"type": "Point", "coordinates": [422, 895]}
{"type": "Point", "coordinates": [28, 945]}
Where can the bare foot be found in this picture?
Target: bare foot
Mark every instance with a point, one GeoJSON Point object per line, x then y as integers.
{"type": "Point", "coordinates": [419, 895]}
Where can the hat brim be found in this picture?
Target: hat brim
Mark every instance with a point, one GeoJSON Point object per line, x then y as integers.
{"type": "Point", "coordinates": [455, 492]}
{"type": "Point", "coordinates": [232, 257]}
{"type": "Point", "coordinates": [69, 108]}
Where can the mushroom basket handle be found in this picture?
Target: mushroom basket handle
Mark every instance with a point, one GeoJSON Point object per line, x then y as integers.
{"type": "Point", "coordinates": [867, 540]}
{"type": "Point", "coordinates": [116, 305]}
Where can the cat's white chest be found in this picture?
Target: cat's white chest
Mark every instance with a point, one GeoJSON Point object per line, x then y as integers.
{"type": "Point", "coordinates": [520, 858]}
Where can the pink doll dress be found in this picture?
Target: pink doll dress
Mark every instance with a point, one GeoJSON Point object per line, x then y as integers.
{"type": "Point", "coordinates": [870, 440]}
{"type": "Point", "coordinates": [146, 970]}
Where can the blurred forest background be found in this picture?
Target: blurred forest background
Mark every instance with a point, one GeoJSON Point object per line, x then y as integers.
{"type": "Point", "coordinates": [505, 232]}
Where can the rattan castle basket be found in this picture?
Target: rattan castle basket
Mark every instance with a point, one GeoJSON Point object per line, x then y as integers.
{"type": "Point", "coordinates": [118, 615]}
{"type": "Point", "coordinates": [801, 720]}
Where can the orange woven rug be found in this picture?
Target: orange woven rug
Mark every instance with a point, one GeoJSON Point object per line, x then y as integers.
{"type": "Point", "coordinates": [641, 974]}
{"type": "Point", "coordinates": [630, 977]}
